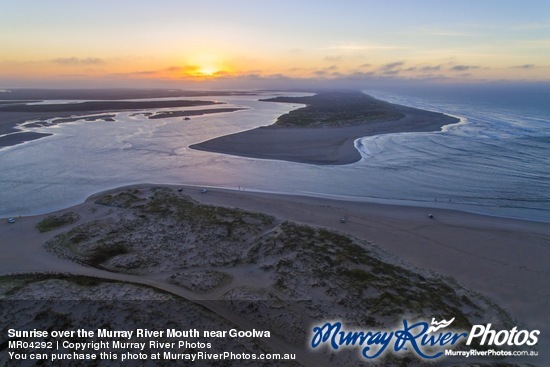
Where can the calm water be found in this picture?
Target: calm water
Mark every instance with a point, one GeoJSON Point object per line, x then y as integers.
{"type": "Point", "coordinates": [496, 162]}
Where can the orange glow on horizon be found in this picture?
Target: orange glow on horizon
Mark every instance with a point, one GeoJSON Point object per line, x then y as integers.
{"type": "Point", "coordinates": [204, 66]}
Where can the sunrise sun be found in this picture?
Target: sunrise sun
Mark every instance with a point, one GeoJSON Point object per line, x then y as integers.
{"type": "Point", "coordinates": [207, 70]}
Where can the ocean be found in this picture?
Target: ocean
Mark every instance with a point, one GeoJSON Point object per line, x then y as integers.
{"type": "Point", "coordinates": [495, 161]}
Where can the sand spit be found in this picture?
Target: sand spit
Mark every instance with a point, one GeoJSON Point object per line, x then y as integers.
{"type": "Point", "coordinates": [286, 269]}
{"type": "Point", "coordinates": [324, 131]}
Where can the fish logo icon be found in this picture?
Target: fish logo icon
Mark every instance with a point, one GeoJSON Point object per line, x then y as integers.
{"type": "Point", "coordinates": [439, 325]}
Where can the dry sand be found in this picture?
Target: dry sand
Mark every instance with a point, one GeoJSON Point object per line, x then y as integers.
{"type": "Point", "coordinates": [503, 259]}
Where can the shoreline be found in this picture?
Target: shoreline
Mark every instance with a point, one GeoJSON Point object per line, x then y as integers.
{"type": "Point", "coordinates": [404, 203]}
{"type": "Point", "coordinates": [501, 259]}
{"type": "Point", "coordinates": [322, 145]}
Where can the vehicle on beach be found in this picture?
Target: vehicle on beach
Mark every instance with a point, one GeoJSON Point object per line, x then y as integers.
{"type": "Point", "coordinates": [11, 220]}
{"type": "Point", "coordinates": [204, 191]}
{"type": "Point", "coordinates": [431, 216]}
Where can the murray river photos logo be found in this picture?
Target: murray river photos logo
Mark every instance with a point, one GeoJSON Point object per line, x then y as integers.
{"type": "Point", "coordinates": [427, 340]}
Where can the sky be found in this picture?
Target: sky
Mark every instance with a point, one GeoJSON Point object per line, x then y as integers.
{"type": "Point", "coordinates": [271, 44]}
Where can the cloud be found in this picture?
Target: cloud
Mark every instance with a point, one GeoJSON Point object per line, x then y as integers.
{"type": "Point", "coordinates": [431, 68]}
{"type": "Point", "coordinates": [427, 77]}
{"type": "Point", "coordinates": [365, 47]}
{"type": "Point", "coordinates": [133, 73]}
{"type": "Point", "coordinates": [424, 69]}
{"type": "Point", "coordinates": [173, 68]}
{"type": "Point", "coordinates": [445, 33]}
{"type": "Point", "coordinates": [464, 67]}
{"type": "Point", "coordinates": [364, 65]}
{"type": "Point", "coordinates": [190, 68]}
{"type": "Point", "coordinates": [78, 61]}
{"type": "Point", "coordinates": [392, 65]}
{"type": "Point", "coordinates": [525, 66]}
{"type": "Point", "coordinates": [534, 43]}
{"type": "Point", "coordinates": [298, 69]}
{"type": "Point", "coordinates": [221, 73]}
{"type": "Point", "coordinates": [360, 74]}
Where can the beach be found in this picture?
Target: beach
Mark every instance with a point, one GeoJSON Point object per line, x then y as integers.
{"type": "Point", "coordinates": [502, 260]}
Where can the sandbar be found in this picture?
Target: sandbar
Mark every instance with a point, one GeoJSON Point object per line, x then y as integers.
{"type": "Point", "coordinates": [330, 142]}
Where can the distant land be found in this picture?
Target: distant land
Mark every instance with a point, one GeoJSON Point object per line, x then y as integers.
{"type": "Point", "coordinates": [95, 106]}
{"type": "Point", "coordinates": [108, 94]}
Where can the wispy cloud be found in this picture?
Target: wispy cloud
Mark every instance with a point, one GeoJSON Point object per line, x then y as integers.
{"type": "Point", "coordinates": [445, 33]}
{"type": "Point", "coordinates": [134, 74]}
{"type": "Point", "coordinates": [190, 68]}
{"type": "Point", "coordinates": [392, 65]}
{"type": "Point", "coordinates": [360, 74]}
{"type": "Point", "coordinates": [524, 66]}
{"type": "Point", "coordinates": [78, 61]}
{"type": "Point", "coordinates": [464, 67]}
{"type": "Point", "coordinates": [450, 34]}
{"type": "Point", "coordinates": [543, 43]}
{"type": "Point", "coordinates": [354, 47]}
{"type": "Point", "coordinates": [431, 68]}
{"type": "Point", "coordinates": [173, 68]}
